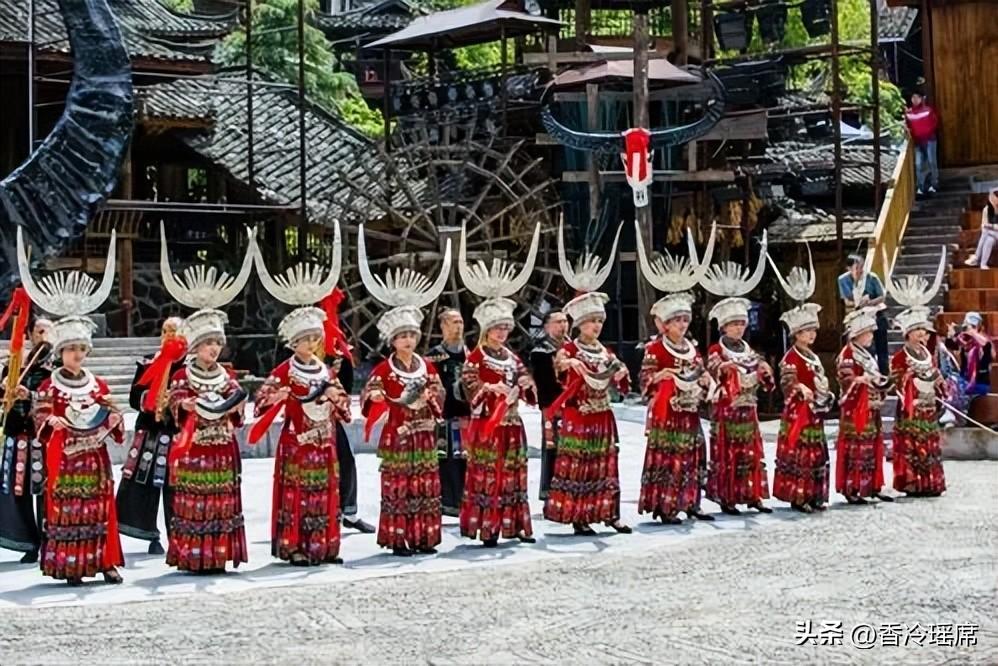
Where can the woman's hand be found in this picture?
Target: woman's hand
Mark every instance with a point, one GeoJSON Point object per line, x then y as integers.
{"type": "Point", "coordinates": [57, 423]}
{"type": "Point", "coordinates": [805, 392]}
{"type": "Point", "coordinates": [620, 374]}
{"type": "Point", "coordinates": [663, 374]}
{"type": "Point", "coordinates": [188, 404]}
{"type": "Point", "coordinates": [376, 396]}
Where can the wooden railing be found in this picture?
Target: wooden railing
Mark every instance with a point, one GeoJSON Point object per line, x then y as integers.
{"type": "Point", "coordinates": [894, 212]}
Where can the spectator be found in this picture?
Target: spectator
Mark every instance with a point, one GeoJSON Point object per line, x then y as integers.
{"type": "Point", "coordinates": [858, 289]}
{"type": "Point", "coordinates": [976, 353]}
{"type": "Point", "coordinates": [989, 233]}
{"type": "Point", "coordinates": [922, 124]}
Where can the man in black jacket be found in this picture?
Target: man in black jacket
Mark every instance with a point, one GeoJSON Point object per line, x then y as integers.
{"type": "Point", "coordinates": [22, 459]}
{"type": "Point", "coordinates": [342, 365]}
{"type": "Point", "coordinates": [143, 476]}
{"type": "Point", "coordinates": [548, 387]}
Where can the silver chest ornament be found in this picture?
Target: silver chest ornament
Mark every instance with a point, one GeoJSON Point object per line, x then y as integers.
{"type": "Point", "coordinates": [314, 379]}
{"type": "Point", "coordinates": [82, 412]}
{"type": "Point", "coordinates": [605, 368]}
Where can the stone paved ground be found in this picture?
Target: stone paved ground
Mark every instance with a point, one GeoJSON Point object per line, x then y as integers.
{"type": "Point", "coordinates": [729, 598]}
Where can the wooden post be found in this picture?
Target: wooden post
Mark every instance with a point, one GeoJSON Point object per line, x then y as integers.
{"type": "Point", "coordinates": [592, 123]}
{"type": "Point", "coordinates": [875, 99]}
{"type": "Point", "coordinates": [646, 295]}
{"type": "Point", "coordinates": [583, 18]}
{"type": "Point", "coordinates": [302, 154]}
{"type": "Point", "coordinates": [125, 286]}
{"type": "Point", "coordinates": [504, 55]}
{"type": "Point", "coordinates": [925, 16]}
{"type": "Point", "coordinates": [680, 27]}
{"type": "Point", "coordinates": [386, 103]}
{"type": "Point", "coordinates": [706, 36]}
{"type": "Point", "coordinates": [837, 133]}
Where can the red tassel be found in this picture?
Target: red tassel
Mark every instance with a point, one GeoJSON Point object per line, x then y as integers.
{"type": "Point", "coordinates": [155, 376]}
{"type": "Point", "coordinates": [802, 414]}
{"type": "Point", "coordinates": [377, 412]}
{"type": "Point", "coordinates": [20, 303]}
{"type": "Point", "coordinates": [334, 337]}
{"type": "Point", "coordinates": [263, 423]}
{"type": "Point", "coordinates": [861, 409]}
{"type": "Point", "coordinates": [112, 543]}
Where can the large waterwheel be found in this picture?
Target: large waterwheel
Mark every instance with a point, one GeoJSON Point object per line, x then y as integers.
{"type": "Point", "coordinates": [427, 191]}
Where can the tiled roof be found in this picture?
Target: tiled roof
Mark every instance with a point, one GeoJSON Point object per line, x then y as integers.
{"type": "Point", "coordinates": [332, 146]}
{"type": "Point", "coordinates": [150, 29]}
{"type": "Point", "coordinates": [816, 225]}
{"type": "Point", "coordinates": [895, 23]}
{"type": "Point", "coordinates": [805, 159]}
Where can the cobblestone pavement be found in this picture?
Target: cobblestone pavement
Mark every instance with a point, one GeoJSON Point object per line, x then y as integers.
{"type": "Point", "coordinates": [730, 598]}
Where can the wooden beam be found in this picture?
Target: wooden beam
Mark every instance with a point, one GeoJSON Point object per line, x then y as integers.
{"type": "Point", "coordinates": [579, 57]}
{"type": "Point", "coordinates": [680, 37]}
{"type": "Point", "coordinates": [646, 294]}
{"type": "Point", "coordinates": [592, 123]}
{"type": "Point", "coordinates": [705, 176]}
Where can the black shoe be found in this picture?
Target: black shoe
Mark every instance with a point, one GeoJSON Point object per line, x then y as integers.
{"type": "Point", "coordinates": [74, 582]}
{"type": "Point", "coordinates": [401, 552]}
{"type": "Point", "coordinates": [884, 498]}
{"type": "Point", "coordinates": [700, 515]}
{"type": "Point", "coordinates": [822, 507]}
{"type": "Point", "coordinates": [672, 521]}
{"type": "Point", "coordinates": [583, 530]}
{"type": "Point", "coordinates": [112, 577]}
{"type": "Point", "coordinates": [359, 525]}
{"type": "Point", "coordinates": [619, 527]}
{"type": "Point", "coordinates": [490, 543]}
{"type": "Point", "coordinates": [30, 557]}
{"type": "Point", "coordinates": [760, 507]}
{"type": "Point", "coordinates": [156, 548]}
{"type": "Point", "coordinates": [429, 550]}
{"type": "Point", "coordinates": [730, 510]}
{"type": "Point", "coordinates": [298, 560]}
{"type": "Point", "coordinates": [802, 508]}
{"type": "Point", "coordinates": [856, 500]}
{"type": "Point", "coordinates": [523, 538]}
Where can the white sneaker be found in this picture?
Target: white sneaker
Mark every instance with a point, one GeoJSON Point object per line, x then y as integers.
{"type": "Point", "coordinates": [932, 190]}
{"type": "Point", "coordinates": [919, 192]}
{"type": "Point", "coordinates": [971, 260]}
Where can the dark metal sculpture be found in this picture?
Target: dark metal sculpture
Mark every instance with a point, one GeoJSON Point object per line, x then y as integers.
{"type": "Point", "coordinates": [60, 186]}
{"type": "Point", "coordinates": [612, 143]}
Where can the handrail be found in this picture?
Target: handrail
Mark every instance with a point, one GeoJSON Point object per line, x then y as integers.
{"type": "Point", "coordinates": [894, 212]}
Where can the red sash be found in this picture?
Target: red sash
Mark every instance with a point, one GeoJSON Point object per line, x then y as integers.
{"type": "Point", "coordinates": [263, 423]}
{"type": "Point", "coordinates": [660, 406]}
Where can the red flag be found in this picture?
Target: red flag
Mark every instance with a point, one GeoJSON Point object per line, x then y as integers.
{"type": "Point", "coordinates": [802, 414]}
{"type": "Point", "coordinates": [660, 405]}
{"type": "Point", "coordinates": [861, 408]}
{"type": "Point", "coordinates": [182, 442]}
{"type": "Point", "coordinates": [375, 414]}
{"type": "Point", "coordinates": [53, 461]}
{"type": "Point", "coordinates": [263, 423]}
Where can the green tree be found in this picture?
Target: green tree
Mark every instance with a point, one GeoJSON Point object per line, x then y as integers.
{"type": "Point", "coordinates": [275, 53]}
{"type": "Point", "coordinates": [180, 5]}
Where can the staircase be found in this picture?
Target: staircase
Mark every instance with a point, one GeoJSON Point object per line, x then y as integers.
{"type": "Point", "coordinates": [933, 223]}
{"type": "Point", "coordinates": [113, 360]}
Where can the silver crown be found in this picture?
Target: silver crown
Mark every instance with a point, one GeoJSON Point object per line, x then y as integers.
{"type": "Point", "coordinates": [587, 274]}
{"type": "Point", "coordinates": [201, 287]}
{"type": "Point", "coordinates": [67, 293]}
{"type": "Point", "coordinates": [674, 274]}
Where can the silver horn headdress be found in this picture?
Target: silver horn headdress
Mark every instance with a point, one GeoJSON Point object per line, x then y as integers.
{"type": "Point", "coordinates": [799, 285]}
{"type": "Point", "coordinates": [495, 283]}
{"type": "Point", "coordinates": [403, 290]}
{"type": "Point", "coordinates": [732, 281]}
{"type": "Point", "coordinates": [71, 295]}
{"type": "Point", "coordinates": [302, 285]}
{"type": "Point", "coordinates": [915, 293]}
{"type": "Point", "coordinates": [202, 288]}
{"type": "Point", "coordinates": [675, 275]}
{"type": "Point", "coordinates": [586, 277]}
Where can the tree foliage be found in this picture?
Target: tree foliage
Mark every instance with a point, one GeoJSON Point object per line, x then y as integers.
{"type": "Point", "coordinates": [275, 53]}
{"type": "Point", "coordinates": [180, 5]}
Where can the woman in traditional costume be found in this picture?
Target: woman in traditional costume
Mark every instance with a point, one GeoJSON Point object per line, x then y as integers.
{"type": "Point", "coordinates": [802, 469]}
{"type": "Point", "coordinates": [917, 455]}
{"type": "Point", "coordinates": [586, 484]}
{"type": "Point", "coordinates": [407, 390]}
{"type": "Point", "coordinates": [737, 469]}
{"type": "Point", "coordinates": [675, 381]}
{"type": "Point", "coordinates": [74, 419]}
{"type": "Point", "coordinates": [207, 404]}
{"type": "Point", "coordinates": [305, 526]}
{"type": "Point", "coordinates": [859, 451]}
{"type": "Point", "coordinates": [495, 380]}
